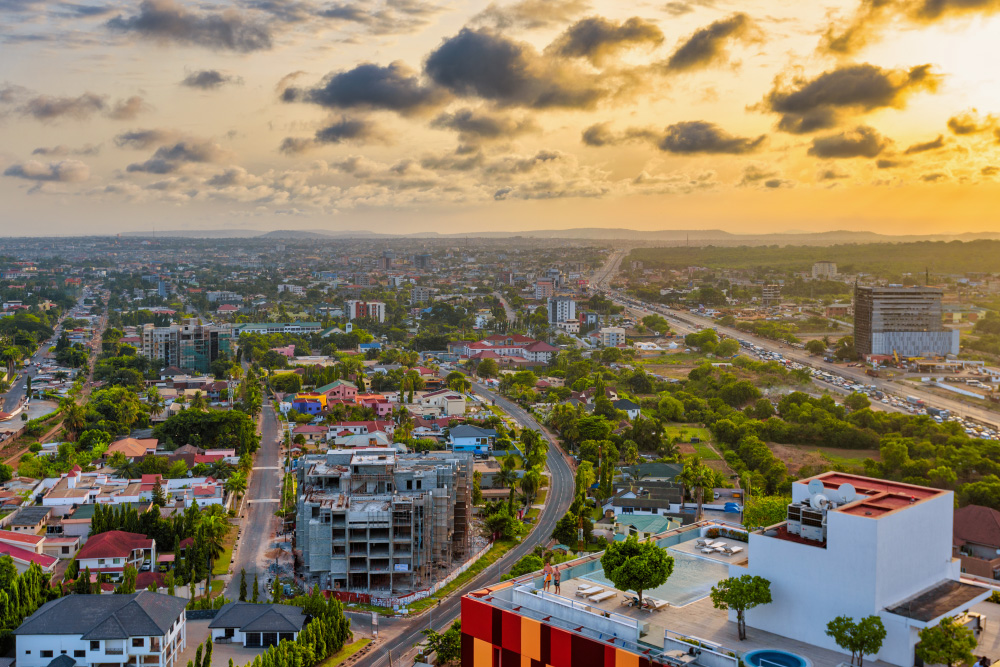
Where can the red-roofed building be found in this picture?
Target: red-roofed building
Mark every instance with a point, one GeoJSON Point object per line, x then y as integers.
{"type": "Point", "coordinates": [361, 428]}
{"type": "Point", "coordinates": [23, 558]}
{"type": "Point", "coordinates": [311, 432]}
{"type": "Point", "coordinates": [510, 348]}
{"type": "Point", "coordinates": [110, 552]}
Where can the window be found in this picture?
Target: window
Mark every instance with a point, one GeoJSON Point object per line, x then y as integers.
{"type": "Point", "coordinates": [79, 654]}
{"type": "Point", "coordinates": [420, 484]}
{"type": "Point", "coordinates": [138, 641]}
{"type": "Point", "coordinates": [118, 561]}
{"type": "Point", "coordinates": [95, 645]}
{"type": "Point", "coordinates": [27, 652]}
{"type": "Point", "coordinates": [409, 484]}
{"type": "Point", "coordinates": [46, 654]}
{"type": "Point", "coordinates": [100, 561]}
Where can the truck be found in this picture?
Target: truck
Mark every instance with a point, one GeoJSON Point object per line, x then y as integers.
{"type": "Point", "coordinates": [873, 373]}
{"type": "Point", "coordinates": [938, 412]}
{"type": "Point", "coordinates": [913, 400]}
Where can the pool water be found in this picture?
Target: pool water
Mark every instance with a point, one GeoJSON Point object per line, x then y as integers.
{"type": "Point", "coordinates": [774, 658]}
{"type": "Point", "coordinates": [691, 580]}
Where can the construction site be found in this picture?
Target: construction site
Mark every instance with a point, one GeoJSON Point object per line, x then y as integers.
{"type": "Point", "coordinates": [377, 522]}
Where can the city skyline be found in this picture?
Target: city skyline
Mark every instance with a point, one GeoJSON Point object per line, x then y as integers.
{"type": "Point", "coordinates": [403, 116]}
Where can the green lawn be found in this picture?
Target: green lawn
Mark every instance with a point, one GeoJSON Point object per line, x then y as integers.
{"type": "Point", "coordinates": [542, 493]}
{"type": "Point", "coordinates": [689, 431]}
{"type": "Point", "coordinates": [532, 513]}
{"type": "Point", "coordinates": [221, 565]}
{"type": "Point", "coordinates": [344, 653]}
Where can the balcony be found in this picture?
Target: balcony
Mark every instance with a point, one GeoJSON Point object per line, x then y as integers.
{"type": "Point", "coordinates": [114, 651]}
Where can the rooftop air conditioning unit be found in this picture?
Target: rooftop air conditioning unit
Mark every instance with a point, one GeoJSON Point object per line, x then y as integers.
{"type": "Point", "coordinates": [794, 523]}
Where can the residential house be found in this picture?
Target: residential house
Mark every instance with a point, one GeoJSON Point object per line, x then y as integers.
{"type": "Point", "coordinates": [132, 448]}
{"type": "Point", "coordinates": [256, 625]}
{"type": "Point", "coordinates": [141, 628]}
{"type": "Point", "coordinates": [110, 552]}
{"type": "Point", "coordinates": [466, 438]}
{"type": "Point", "coordinates": [25, 549]}
{"type": "Point", "coordinates": [30, 519]}
{"type": "Point", "coordinates": [311, 432]}
{"type": "Point", "coordinates": [976, 541]}
{"type": "Point", "coordinates": [447, 403]}
{"type": "Point", "coordinates": [628, 407]}
{"type": "Point", "coordinates": [360, 428]}
{"type": "Point", "coordinates": [341, 389]}
{"type": "Point", "coordinates": [642, 526]}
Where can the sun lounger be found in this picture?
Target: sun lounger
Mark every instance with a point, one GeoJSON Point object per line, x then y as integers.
{"type": "Point", "coordinates": [601, 597]}
{"type": "Point", "coordinates": [630, 600]}
{"type": "Point", "coordinates": [587, 591]}
{"type": "Point", "coordinates": [702, 542]}
{"type": "Point", "coordinates": [716, 545]}
{"type": "Point", "coordinates": [707, 550]}
{"type": "Point", "coordinates": [734, 550]}
{"type": "Point", "coordinates": [655, 605]}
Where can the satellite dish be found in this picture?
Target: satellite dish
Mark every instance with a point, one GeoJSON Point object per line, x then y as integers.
{"type": "Point", "coordinates": [847, 492]}
{"type": "Point", "coordinates": [816, 486]}
{"type": "Point", "coordinates": [819, 501]}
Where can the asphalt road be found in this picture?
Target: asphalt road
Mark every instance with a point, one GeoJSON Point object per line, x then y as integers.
{"type": "Point", "coordinates": [262, 500]}
{"type": "Point", "coordinates": [406, 632]}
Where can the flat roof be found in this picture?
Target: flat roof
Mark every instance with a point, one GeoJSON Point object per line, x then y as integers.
{"type": "Point", "coordinates": [945, 598]}
{"type": "Point", "coordinates": [870, 486]}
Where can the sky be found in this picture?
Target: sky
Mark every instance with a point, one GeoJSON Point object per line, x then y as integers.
{"type": "Point", "coordinates": [403, 116]}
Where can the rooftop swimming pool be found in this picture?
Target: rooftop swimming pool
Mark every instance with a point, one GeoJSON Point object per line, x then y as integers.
{"type": "Point", "coordinates": [692, 579]}
{"type": "Point", "coordinates": [769, 657]}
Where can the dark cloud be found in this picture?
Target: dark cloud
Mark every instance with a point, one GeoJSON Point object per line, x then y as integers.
{"type": "Point", "coordinates": [678, 8]}
{"type": "Point", "coordinates": [48, 107]}
{"type": "Point", "coordinates": [932, 10]}
{"type": "Point", "coordinates": [970, 122]}
{"type": "Point", "coordinates": [168, 159]}
{"type": "Point", "coordinates": [460, 160]}
{"type": "Point", "coordinates": [934, 177]}
{"type": "Point", "coordinates": [208, 79]}
{"type": "Point", "coordinates": [753, 174]}
{"type": "Point", "coordinates": [816, 104]}
{"type": "Point", "coordinates": [11, 93]}
{"type": "Point", "coordinates": [932, 145]}
{"type": "Point", "coordinates": [85, 10]}
{"type": "Point", "coordinates": [369, 86]}
{"type": "Point", "coordinates": [228, 178]}
{"type": "Point", "coordinates": [474, 125]}
{"type": "Point", "coordinates": [530, 14]}
{"type": "Point", "coordinates": [167, 21]}
{"type": "Point", "coordinates": [597, 38]}
{"type": "Point", "coordinates": [65, 171]}
{"type": "Point", "coordinates": [128, 109]}
{"type": "Point", "coordinates": [831, 174]}
{"type": "Point", "coordinates": [708, 45]}
{"type": "Point", "coordinates": [601, 134]}
{"type": "Point", "coordinates": [699, 136]}
{"type": "Point", "coordinates": [509, 73]}
{"type": "Point", "coordinates": [296, 145]}
{"type": "Point", "coordinates": [392, 17]}
{"type": "Point", "coordinates": [141, 139]}
{"type": "Point", "coordinates": [345, 130]}
{"type": "Point", "coordinates": [62, 151]}
{"type": "Point", "coordinates": [889, 163]}
{"type": "Point", "coordinates": [989, 170]}
{"type": "Point", "coordinates": [774, 183]}
{"type": "Point", "coordinates": [862, 141]}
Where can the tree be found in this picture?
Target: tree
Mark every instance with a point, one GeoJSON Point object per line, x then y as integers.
{"type": "Point", "coordinates": [206, 661]}
{"type": "Point", "coordinates": [860, 638]}
{"type": "Point", "coordinates": [82, 585]}
{"type": "Point", "coordinates": [447, 646]}
{"type": "Point", "coordinates": [256, 589]}
{"type": "Point", "coordinates": [816, 347]}
{"type": "Point", "coordinates": [727, 348]}
{"type": "Point", "coordinates": [585, 478]}
{"type": "Point", "coordinates": [159, 497]}
{"type": "Point", "coordinates": [696, 477]}
{"type": "Point", "coordinates": [530, 483]}
{"type": "Point", "coordinates": [857, 401]}
{"type": "Point", "coordinates": [243, 585]}
{"type": "Point", "coordinates": [739, 594]}
{"type": "Point", "coordinates": [764, 510]}
{"type": "Point", "coordinates": [946, 643]}
{"type": "Point", "coordinates": [128, 581]}
{"type": "Point", "coordinates": [635, 566]}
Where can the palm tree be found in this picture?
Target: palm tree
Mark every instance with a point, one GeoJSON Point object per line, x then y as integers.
{"type": "Point", "coordinates": [10, 356]}
{"type": "Point", "coordinates": [504, 478]}
{"type": "Point", "coordinates": [155, 401]}
{"type": "Point", "coordinates": [126, 469]}
{"type": "Point", "coordinates": [237, 483]}
{"type": "Point", "coordinates": [696, 477]}
{"type": "Point", "coordinates": [220, 469]}
{"type": "Point", "coordinates": [530, 482]}
{"type": "Point", "coordinates": [74, 417]}
{"type": "Point", "coordinates": [405, 427]}
{"type": "Point", "coordinates": [198, 401]}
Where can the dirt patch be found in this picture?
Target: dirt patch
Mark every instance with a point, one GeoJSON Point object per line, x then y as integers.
{"type": "Point", "coordinates": [796, 456]}
{"type": "Point", "coordinates": [685, 448]}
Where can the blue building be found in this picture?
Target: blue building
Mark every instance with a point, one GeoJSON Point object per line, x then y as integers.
{"type": "Point", "coordinates": [466, 438]}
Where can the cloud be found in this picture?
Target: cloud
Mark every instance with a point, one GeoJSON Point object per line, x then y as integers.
{"type": "Point", "coordinates": [345, 130]}
{"type": "Point", "coordinates": [678, 8]}
{"type": "Point", "coordinates": [989, 170]}
{"type": "Point", "coordinates": [817, 104]}
{"type": "Point", "coordinates": [65, 171]}
{"type": "Point", "coordinates": [530, 14]}
{"type": "Point", "coordinates": [208, 79]}
{"type": "Point", "coordinates": [831, 174]}
{"type": "Point", "coordinates": [699, 136]}
{"type": "Point", "coordinates": [141, 139]}
{"type": "Point", "coordinates": [932, 145]}
{"type": "Point", "coordinates": [708, 45]}
{"type": "Point", "coordinates": [934, 177]}
{"type": "Point", "coordinates": [601, 134]}
{"type": "Point", "coordinates": [597, 38]}
{"type": "Point", "coordinates": [394, 17]}
{"type": "Point", "coordinates": [890, 163]}
{"type": "Point", "coordinates": [167, 21]}
{"type": "Point", "coordinates": [493, 67]}
{"type": "Point", "coordinates": [753, 174]}
{"type": "Point", "coordinates": [168, 159]}
{"type": "Point", "coordinates": [230, 177]}
{"type": "Point", "coordinates": [128, 109]}
{"type": "Point", "coordinates": [48, 107]}
{"type": "Point", "coordinates": [862, 141]}
{"type": "Point", "coordinates": [970, 122]}
{"type": "Point", "coordinates": [369, 86]}
{"type": "Point", "coordinates": [475, 125]}
{"type": "Point", "coordinates": [62, 151]}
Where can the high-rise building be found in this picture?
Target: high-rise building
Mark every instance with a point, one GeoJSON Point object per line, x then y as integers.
{"type": "Point", "coordinates": [422, 261]}
{"type": "Point", "coordinates": [771, 295]}
{"type": "Point", "coordinates": [543, 289]}
{"type": "Point", "coordinates": [362, 309]}
{"type": "Point", "coordinates": [901, 320]}
{"type": "Point", "coordinates": [824, 270]}
{"type": "Point", "coordinates": [374, 521]}
{"type": "Point", "coordinates": [190, 345]}
{"type": "Point", "coordinates": [561, 309]}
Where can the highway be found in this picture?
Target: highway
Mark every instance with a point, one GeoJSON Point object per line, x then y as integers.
{"type": "Point", "coordinates": [405, 633]}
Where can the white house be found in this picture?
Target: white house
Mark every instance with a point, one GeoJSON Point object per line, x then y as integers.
{"type": "Point", "coordinates": [110, 552]}
{"type": "Point", "coordinates": [628, 407]}
{"type": "Point", "coordinates": [25, 549]}
{"type": "Point", "coordinates": [256, 625]}
{"type": "Point", "coordinates": [143, 628]}
{"type": "Point", "coordinates": [466, 438]}
{"type": "Point", "coordinates": [856, 546]}
{"type": "Point", "coordinates": [448, 403]}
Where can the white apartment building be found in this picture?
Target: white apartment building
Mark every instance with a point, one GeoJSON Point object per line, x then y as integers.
{"type": "Point", "coordinates": [361, 309]}
{"type": "Point", "coordinates": [561, 309]}
{"type": "Point", "coordinates": [856, 546]}
{"type": "Point", "coordinates": [612, 336]}
{"type": "Point", "coordinates": [143, 628]}
{"type": "Point", "coordinates": [291, 289]}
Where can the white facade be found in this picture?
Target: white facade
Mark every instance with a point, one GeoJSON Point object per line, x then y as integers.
{"type": "Point", "coordinates": [561, 309]}
{"type": "Point", "coordinates": [360, 309]}
{"type": "Point", "coordinates": [39, 650]}
{"type": "Point", "coordinates": [871, 561]}
{"type": "Point", "coordinates": [612, 336]}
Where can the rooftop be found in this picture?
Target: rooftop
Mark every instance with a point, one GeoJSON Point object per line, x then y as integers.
{"type": "Point", "coordinates": [940, 600]}
{"type": "Point", "coordinates": [105, 616]}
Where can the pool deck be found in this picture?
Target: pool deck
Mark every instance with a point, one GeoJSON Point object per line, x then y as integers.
{"type": "Point", "coordinates": [693, 549]}
{"type": "Point", "coordinates": [702, 620]}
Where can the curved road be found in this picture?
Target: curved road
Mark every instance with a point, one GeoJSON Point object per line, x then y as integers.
{"type": "Point", "coordinates": [406, 633]}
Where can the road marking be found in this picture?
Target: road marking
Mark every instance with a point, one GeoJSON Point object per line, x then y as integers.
{"type": "Point", "coordinates": [263, 500]}
{"type": "Point", "coordinates": [266, 468]}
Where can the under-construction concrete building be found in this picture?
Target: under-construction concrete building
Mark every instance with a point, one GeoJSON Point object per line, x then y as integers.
{"type": "Point", "coordinates": [901, 320]}
{"type": "Point", "coordinates": [374, 521]}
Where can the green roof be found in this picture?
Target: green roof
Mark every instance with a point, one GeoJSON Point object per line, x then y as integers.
{"type": "Point", "coordinates": [645, 523]}
{"type": "Point", "coordinates": [336, 383]}
{"type": "Point", "coordinates": [87, 511]}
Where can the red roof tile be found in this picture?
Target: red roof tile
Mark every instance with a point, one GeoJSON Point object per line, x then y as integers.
{"type": "Point", "coordinates": [114, 544]}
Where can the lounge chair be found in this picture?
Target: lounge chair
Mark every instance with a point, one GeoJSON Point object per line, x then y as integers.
{"type": "Point", "coordinates": [734, 550]}
{"type": "Point", "coordinates": [702, 541]}
{"type": "Point", "coordinates": [601, 597]}
{"type": "Point", "coordinates": [707, 550]}
{"type": "Point", "coordinates": [653, 604]}
{"type": "Point", "coordinates": [717, 545]}
{"type": "Point", "coordinates": [587, 591]}
{"type": "Point", "coordinates": [630, 600]}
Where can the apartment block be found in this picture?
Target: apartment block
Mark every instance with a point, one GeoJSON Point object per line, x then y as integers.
{"type": "Point", "coordinates": [543, 289]}
{"type": "Point", "coordinates": [361, 309]}
{"type": "Point", "coordinates": [561, 309]}
{"type": "Point", "coordinates": [612, 336]}
{"type": "Point", "coordinates": [190, 345]}
{"type": "Point", "coordinates": [824, 270]}
{"type": "Point", "coordinates": [770, 295]}
{"type": "Point", "coordinates": [420, 294]}
{"type": "Point", "coordinates": [374, 521]}
{"type": "Point", "coordinates": [901, 320]}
